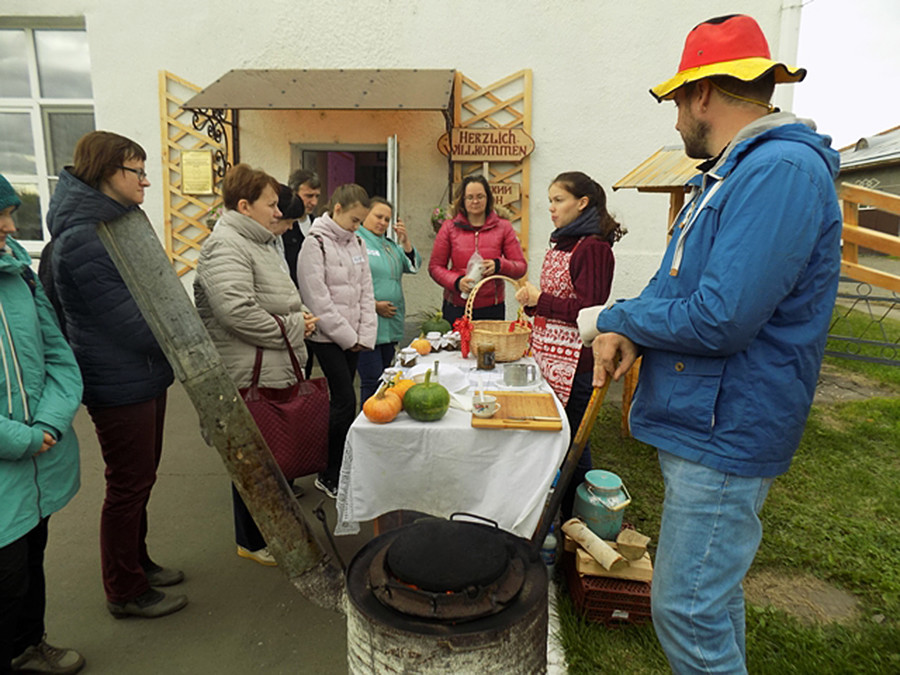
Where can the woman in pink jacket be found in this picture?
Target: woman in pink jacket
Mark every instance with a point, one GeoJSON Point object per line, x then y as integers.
{"type": "Point", "coordinates": [476, 243]}
{"type": "Point", "coordinates": [335, 282]}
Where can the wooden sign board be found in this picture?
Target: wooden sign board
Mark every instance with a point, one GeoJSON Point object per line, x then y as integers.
{"type": "Point", "coordinates": [504, 193]}
{"type": "Point", "coordinates": [486, 145]}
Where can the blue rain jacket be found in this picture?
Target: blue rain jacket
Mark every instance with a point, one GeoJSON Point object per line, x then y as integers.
{"type": "Point", "coordinates": [732, 327]}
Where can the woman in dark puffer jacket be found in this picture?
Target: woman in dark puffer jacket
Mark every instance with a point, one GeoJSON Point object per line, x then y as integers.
{"type": "Point", "coordinates": [125, 372]}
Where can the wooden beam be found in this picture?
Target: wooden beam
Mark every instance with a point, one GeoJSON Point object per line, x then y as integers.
{"type": "Point", "coordinates": [873, 239]}
{"type": "Point", "coordinates": [225, 421]}
{"type": "Point", "coordinates": [883, 201]}
{"type": "Point", "coordinates": [871, 276]}
{"type": "Point", "coordinates": [850, 251]}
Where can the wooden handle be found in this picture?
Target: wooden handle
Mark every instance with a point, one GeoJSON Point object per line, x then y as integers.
{"type": "Point", "coordinates": [470, 301]}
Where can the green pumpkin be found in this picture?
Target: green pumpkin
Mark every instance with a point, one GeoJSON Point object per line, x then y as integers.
{"type": "Point", "coordinates": [428, 401]}
{"type": "Point", "coordinates": [435, 323]}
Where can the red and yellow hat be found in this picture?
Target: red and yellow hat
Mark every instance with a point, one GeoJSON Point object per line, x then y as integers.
{"type": "Point", "coordinates": [731, 45]}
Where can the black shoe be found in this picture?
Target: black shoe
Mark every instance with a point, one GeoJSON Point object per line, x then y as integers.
{"type": "Point", "coordinates": [329, 487]}
{"type": "Point", "coordinates": [149, 605]}
{"type": "Point", "coordinates": [163, 576]}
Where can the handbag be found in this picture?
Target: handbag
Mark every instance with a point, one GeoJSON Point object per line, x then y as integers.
{"type": "Point", "coordinates": [293, 420]}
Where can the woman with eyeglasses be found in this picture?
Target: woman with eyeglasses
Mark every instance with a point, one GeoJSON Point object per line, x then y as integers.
{"type": "Point", "coordinates": [125, 372]}
{"type": "Point", "coordinates": [474, 244]}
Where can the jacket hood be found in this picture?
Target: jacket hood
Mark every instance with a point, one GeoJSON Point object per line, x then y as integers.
{"type": "Point", "coordinates": [75, 203]}
{"type": "Point", "coordinates": [325, 226]}
{"type": "Point", "coordinates": [782, 126]}
{"type": "Point", "coordinates": [14, 259]}
{"type": "Point", "coordinates": [246, 227]}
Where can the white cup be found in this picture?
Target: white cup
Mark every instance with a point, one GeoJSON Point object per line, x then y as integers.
{"type": "Point", "coordinates": [485, 407]}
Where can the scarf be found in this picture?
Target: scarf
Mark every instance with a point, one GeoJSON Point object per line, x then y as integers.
{"type": "Point", "coordinates": [587, 222]}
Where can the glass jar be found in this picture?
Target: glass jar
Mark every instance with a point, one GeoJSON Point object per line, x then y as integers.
{"type": "Point", "coordinates": [485, 357]}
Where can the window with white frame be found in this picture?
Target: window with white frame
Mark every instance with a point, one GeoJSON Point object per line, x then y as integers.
{"type": "Point", "coordinates": [46, 105]}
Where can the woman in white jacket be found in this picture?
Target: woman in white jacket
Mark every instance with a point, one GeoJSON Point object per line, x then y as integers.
{"type": "Point", "coordinates": [242, 280]}
{"type": "Point", "coordinates": [334, 278]}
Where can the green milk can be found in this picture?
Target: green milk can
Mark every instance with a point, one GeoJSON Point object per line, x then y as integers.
{"type": "Point", "coordinates": [600, 502]}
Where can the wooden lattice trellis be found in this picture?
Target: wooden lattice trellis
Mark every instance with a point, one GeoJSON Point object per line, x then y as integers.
{"type": "Point", "coordinates": [504, 104]}
{"type": "Point", "coordinates": [185, 215]}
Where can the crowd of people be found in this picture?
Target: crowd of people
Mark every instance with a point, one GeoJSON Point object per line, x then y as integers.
{"type": "Point", "coordinates": [280, 281]}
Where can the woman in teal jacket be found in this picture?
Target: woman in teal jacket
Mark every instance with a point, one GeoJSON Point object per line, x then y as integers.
{"type": "Point", "coordinates": [40, 390]}
{"type": "Point", "coordinates": [388, 262]}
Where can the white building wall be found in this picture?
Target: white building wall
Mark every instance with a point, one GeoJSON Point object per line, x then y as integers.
{"type": "Point", "coordinates": [593, 63]}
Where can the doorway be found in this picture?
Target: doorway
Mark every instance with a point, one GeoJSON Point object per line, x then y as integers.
{"type": "Point", "coordinates": [369, 166]}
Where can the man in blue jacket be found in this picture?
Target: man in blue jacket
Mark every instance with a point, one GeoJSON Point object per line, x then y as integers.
{"type": "Point", "coordinates": [731, 328]}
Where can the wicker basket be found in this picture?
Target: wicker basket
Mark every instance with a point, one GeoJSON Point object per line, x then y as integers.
{"type": "Point", "coordinates": [508, 345]}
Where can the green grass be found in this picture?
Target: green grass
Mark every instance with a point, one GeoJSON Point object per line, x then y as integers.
{"type": "Point", "coordinates": [834, 515]}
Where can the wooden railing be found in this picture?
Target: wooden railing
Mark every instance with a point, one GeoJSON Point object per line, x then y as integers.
{"type": "Point", "coordinates": [852, 197]}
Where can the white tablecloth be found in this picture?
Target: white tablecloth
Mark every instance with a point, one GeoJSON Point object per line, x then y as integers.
{"type": "Point", "coordinates": [447, 466]}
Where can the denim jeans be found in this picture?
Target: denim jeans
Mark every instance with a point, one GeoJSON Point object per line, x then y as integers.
{"type": "Point", "coordinates": [709, 536]}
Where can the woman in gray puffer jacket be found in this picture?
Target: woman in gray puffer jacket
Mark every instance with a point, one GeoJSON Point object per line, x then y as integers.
{"type": "Point", "coordinates": [242, 280]}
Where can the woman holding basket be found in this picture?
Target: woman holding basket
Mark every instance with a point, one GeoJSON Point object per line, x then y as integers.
{"type": "Point", "coordinates": [474, 244]}
{"type": "Point", "coordinates": [577, 272]}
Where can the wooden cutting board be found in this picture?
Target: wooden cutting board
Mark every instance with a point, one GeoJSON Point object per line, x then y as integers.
{"type": "Point", "coordinates": [521, 404]}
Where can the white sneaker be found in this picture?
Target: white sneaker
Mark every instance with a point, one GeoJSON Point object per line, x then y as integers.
{"type": "Point", "coordinates": [327, 487]}
{"type": "Point", "coordinates": [262, 556]}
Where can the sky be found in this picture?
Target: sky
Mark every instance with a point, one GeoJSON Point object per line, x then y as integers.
{"type": "Point", "coordinates": [850, 49]}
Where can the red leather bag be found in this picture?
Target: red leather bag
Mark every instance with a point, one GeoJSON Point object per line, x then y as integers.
{"type": "Point", "coordinates": [294, 420]}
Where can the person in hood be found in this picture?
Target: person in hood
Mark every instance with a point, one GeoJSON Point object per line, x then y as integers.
{"type": "Point", "coordinates": [474, 244]}
{"type": "Point", "coordinates": [577, 273]}
{"type": "Point", "coordinates": [40, 391]}
{"type": "Point", "coordinates": [126, 375]}
{"type": "Point", "coordinates": [336, 284]}
{"type": "Point", "coordinates": [732, 331]}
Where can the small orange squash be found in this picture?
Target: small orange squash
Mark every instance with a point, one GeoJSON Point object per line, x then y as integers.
{"type": "Point", "coordinates": [400, 387]}
{"type": "Point", "coordinates": [383, 406]}
{"type": "Point", "coordinates": [421, 345]}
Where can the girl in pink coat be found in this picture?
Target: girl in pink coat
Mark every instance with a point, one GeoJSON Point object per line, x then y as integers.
{"type": "Point", "coordinates": [476, 243]}
{"type": "Point", "coordinates": [335, 282]}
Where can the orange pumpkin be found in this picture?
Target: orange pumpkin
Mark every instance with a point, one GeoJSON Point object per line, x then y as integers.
{"type": "Point", "coordinates": [421, 345]}
{"type": "Point", "coordinates": [382, 407]}
{"type": "Point", "coordinates": [400, 387]}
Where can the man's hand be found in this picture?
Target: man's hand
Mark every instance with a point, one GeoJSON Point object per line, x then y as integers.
{"type": "Point", "coordinates": [385, 308]}
{"type": "Point", "coordinates": [614, 354]}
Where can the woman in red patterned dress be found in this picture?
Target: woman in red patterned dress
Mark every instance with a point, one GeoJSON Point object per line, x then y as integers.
{"type": "Point", "coordinates": [577, 273]}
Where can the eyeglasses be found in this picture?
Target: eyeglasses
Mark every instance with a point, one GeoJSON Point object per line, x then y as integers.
{"type": "Point", "coordinates": [475, 198]}
{"type": "Point", "coordinates": [140, 173]}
